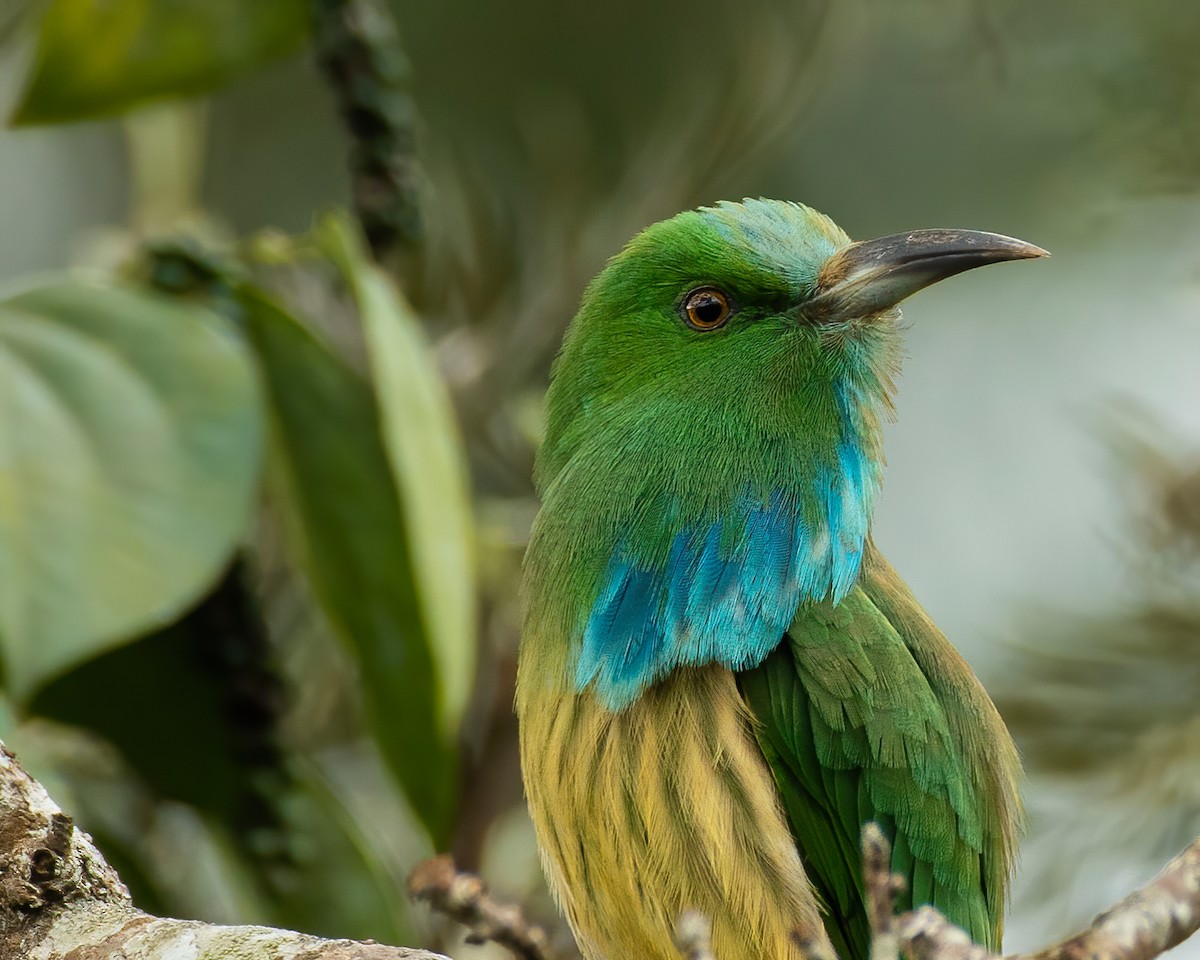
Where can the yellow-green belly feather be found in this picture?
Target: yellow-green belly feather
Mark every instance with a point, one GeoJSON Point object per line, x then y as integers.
{"type": "Point", "coordinates": [665, 806]}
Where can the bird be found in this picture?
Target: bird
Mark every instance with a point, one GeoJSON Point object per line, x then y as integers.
{"type": "Point", "coordinates": [720, 677]}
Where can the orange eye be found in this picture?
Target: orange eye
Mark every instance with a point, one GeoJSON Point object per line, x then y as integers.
{"type": "Point", "coordinates": [706, 309]}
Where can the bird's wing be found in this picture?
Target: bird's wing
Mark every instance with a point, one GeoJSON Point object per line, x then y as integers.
{"type": "Point", "coordinates": [867, 713]}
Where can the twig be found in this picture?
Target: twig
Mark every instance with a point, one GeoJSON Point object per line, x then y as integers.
{"type": "Point", "coordinates": [1148, 922]}
{"type": "Point", "coordinates": [924, 934]}
{"type": "Point", "coordinates": [693, 936]}
{"type": "Point", "coordinates": [464, 898]}
{"type": "Point", "coordinates": [359, 49]}
{"type": "Point", "coordinates": [882, 887]}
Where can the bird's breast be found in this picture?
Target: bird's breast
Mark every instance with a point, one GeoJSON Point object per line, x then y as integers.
{"type": "Point", "coordinates": [664, 806]}
{"type": "Point", "coordinates": [722, 590]}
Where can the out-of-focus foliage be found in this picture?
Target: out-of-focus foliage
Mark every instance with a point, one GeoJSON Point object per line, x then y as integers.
{"type": "Point", "coordinates": [177, 673]}
{"type": "Point", "coordinates": [132, 443]}
{"type": "Point", "coordinates": [1137, 68]}
{"type": "Point", "coordinates": [99, 58]}
{"type": "Point", "coordinates": [134, 425]}
{"type": "Point", "coordinates": [354, 546]}
{"type": "Point", "coordinates": [165, 599]}
{"type": "Point", "coordinates": [425, 453]}
{"type": "Point", "coordinates": [1077, 700]}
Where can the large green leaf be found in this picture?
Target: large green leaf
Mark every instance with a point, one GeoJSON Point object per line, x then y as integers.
{"type": "Point", "coordinates": [100, 57]}
{"type": "Point", "coordinates": [425, 451]}
{"type": "Point", "coordinates": [353, 543]}
{"type": "Point", "coordinates": [130, 439]}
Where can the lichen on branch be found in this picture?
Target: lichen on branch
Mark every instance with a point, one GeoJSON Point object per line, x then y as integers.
{"type": "Point", "coordinates": [60, 899]}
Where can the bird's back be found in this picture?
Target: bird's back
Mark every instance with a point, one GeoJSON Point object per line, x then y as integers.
{"type": "Point", "coordinates": [867, 713]}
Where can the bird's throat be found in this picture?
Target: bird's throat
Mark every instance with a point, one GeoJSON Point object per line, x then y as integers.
{"type": "Point", "coordinates": [698, 542]}
{"type": "Point", "coordinates": [724, 588]}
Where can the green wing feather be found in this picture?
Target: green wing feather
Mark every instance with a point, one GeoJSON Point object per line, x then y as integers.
{"type": "Point", "coordinates": [867, 713]}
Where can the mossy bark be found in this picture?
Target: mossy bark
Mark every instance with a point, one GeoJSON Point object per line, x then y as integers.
{"type": "Point", "coordinates": [60, 899]}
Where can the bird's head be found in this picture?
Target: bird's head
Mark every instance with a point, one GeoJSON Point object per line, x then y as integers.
{"type": "Point", "coordinates": [712, 451]}
{"type": "Point", "coordinates": [735, 323]}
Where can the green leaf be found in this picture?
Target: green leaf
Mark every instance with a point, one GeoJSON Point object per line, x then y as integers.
{"type": "Point", "coordinates": [162, 708]}
{"type": "Point", "coordinates": [208, 682]}
{"type": "Point", "coordinates": [353, 545]}
{"type": "Point", "coordinates": [98, 58]}
{"type": "Point", "coordinates": [343, 884]}
{"type": "Point", "coordinates": [130, 440]}
{"type": "Point", "coordinates": [425, 452]}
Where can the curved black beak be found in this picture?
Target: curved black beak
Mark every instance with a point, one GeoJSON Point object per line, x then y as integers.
{"type": "Point", "coordinates": [874, 275]}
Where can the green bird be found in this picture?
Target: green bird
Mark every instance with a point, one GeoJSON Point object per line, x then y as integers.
{"type": "Point", "coordinates": [721, 678]}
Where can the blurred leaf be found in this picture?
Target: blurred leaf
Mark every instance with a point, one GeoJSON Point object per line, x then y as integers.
{"type": "Point", "coordinates": [99, 57]}
{"type": "Point", "coordinates": [425, 451]}
{"type": "Point", "coordinates": [130, 437]}
{"type": "Point", "coordinates": [12, 17]}
{"type": "Point", "coordinates": [1098, 692]}
{"type": "Point", "coordinates": [163, 711]}
{"type": "Point", "coordinates": [340, 886]}
{"type": "Point", "coordinates": [354, 548]}
{"type": "Point", "coordinates": [193, 710]}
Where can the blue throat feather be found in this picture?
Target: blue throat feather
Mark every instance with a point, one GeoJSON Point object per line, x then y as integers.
{"type": "Point", "coordinates": [727, 591]}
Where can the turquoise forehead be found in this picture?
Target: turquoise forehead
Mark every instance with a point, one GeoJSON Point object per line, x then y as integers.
{"type": "Point", "coordinates": [770, 244]}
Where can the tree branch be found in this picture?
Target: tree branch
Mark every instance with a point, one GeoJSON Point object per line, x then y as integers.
{"type": "Point", "coordinates": [59, 898]}
{"type": "Point", "coordinates": [924, 934]}
{"type": "Point", "coordinates": [464, 898]}
{"type": "Point", "coordinates": [1147, 923]}
{"type": "Point", "coordinates": [882, 888]}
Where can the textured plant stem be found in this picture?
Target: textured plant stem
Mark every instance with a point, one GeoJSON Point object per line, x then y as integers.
{"type": "Point", "coordinates": [359, 49]}
{"type": "Point", "coordinates": [60, 900]}
{"type": "Point", "coordinates": [464, 898]}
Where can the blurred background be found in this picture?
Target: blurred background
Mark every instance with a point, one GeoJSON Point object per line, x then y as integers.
{"type": "Point", "coordinates": [262, 515]}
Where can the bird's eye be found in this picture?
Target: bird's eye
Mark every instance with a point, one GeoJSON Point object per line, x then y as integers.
{"type": "Point", "coordinates": [706, 309]}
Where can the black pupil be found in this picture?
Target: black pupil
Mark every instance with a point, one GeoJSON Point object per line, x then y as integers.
{"type": "Point", "coordinates": [707, 309]}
